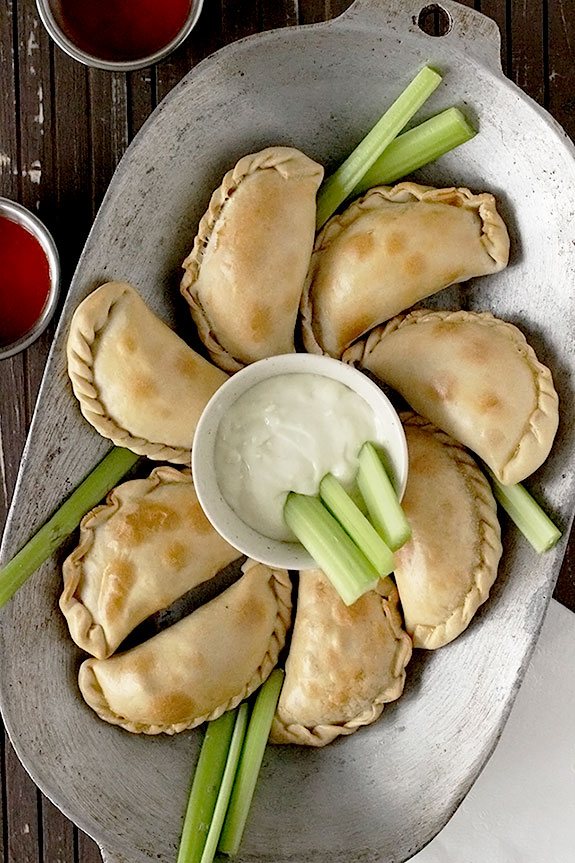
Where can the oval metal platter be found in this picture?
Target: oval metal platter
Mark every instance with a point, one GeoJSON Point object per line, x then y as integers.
{"type": "Point", "coordinates": [383, 793]}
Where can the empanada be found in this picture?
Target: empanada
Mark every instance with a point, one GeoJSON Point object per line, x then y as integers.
{"type": "Point", "coordinates": [201, 666]}
{"type": "Point", "coordinates": [345, 662]}
{"type": "Point", "coordinates": [147, 546]}
{"type": "Point", "coordinates": [389, 250]}
{"type": "Point", "coordinates": [445, 571]}
{"type": "Point", "coordinates": [475, 377]}
{"type": "Point", "coordinates": [137, 382]}
{"type": "Point", "coordinates": [245, 274]}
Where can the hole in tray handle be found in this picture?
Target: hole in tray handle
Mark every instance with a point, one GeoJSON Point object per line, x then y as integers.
{"type": "Point", "coordinates": [434, 20]}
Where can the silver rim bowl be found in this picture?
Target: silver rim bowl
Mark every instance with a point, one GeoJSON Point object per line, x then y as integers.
{"type": "Point", "coordinates": [45, 10]}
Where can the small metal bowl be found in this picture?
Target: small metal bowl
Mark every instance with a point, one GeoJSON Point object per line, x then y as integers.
{"type": "Point", "coordinates": [49, 19]}
{"type": "Point", "coordinates": [19, 214]}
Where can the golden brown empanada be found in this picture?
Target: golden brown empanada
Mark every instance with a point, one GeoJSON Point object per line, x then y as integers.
{"type": "Point", "coordinates": [445, 571]}
{"type": "Point", "coordinates": [345, 662]}
{"type": "Point", "coordinates": [147, 546]}
{"type": "Point", "coordinates": [245, 274]}
{"type": "Point", "coordinates": [475, 377]}
{"type": "Point", "coordinates": [389, 250]}
{"type": "Point", "coordinates": [137, 382]}
{"type": "Point", "coordinates": [201, 666]}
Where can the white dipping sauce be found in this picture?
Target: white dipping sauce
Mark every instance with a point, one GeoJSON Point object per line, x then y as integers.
{"type": "Point", "coordinates": [284, 434]}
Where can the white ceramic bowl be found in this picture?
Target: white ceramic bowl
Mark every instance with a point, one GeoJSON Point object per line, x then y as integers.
{"type": "Point", "coordinates": [285, 555]}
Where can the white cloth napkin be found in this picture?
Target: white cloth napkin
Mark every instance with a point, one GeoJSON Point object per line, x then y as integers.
{"type": "Point", "coordinates": [522, 807]}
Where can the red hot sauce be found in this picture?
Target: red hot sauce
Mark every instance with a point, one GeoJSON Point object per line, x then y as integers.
{"type": "Point", "coordinates": [24, 281]}
{"type": "Point", "coordinates": [120, 30]}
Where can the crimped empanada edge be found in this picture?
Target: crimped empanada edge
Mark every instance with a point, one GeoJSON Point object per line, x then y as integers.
{"type": "Point", "coordinates": [84, 330]}
{"type": "Point", "coordinates": [320, 735]}
{"type": "Point", "coordinates": [541, 424]}
{"type": "Point", "coordinates": [485, 572]}
{"type": "Point", "coordinates": [84, 631]}
{"type": "Point", "coordinates": [494, 235]}
{"type": "Point", "coordinates": [88, 682]}
{"type": "Point", "coordinates": [270, 157]}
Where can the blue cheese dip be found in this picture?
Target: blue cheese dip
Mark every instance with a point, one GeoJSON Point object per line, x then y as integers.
{"type": "Point", "coordinates": [284, 434]}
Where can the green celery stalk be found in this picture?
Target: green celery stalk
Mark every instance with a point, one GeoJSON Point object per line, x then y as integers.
{"type": "Point", "coordinates": [205, 787]}
{"type": "Point", "coordinates": [64, 521]}
{"type": "Point", "coordinates": [225, 791]}
{"type": "Point", "coordinates": [417, 147]}
{"type": "Point", "coordinates": [525, 512]}
{"type": "Point", "coordinates": [344, 180]}
{"type": "Point", "coordinates": [251, 761]}
{"type": "Point", "coordinates": [384, 509]}
{"type": "Point", "coordinates": [333, 550]}
{"type": "Point", "coordinates": [356, 524]}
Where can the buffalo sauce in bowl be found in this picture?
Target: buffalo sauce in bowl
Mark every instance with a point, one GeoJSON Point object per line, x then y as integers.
{"type": "Point", "coordinates": [119, 30]}
{"type": "Point", "coordinates": [119, 35]}
{"type": "Point", "coordinates": [29, 277]}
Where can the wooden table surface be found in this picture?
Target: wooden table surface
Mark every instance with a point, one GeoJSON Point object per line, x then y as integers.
{"type": "Point", "coordinates": [63, 129]}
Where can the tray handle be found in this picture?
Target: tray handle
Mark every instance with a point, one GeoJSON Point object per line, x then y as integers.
{"type": "Point", "coordinates": [468, 31]}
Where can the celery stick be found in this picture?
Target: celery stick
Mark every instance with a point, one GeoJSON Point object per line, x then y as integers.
{"type": "Point", "coordinates": [356, 524]}
{"type": "Point", "coordinates": [332, 549]}
{"type": "Point", "coordinates": [525, 512]}
{"type": "Point", "coordinates": [343, 181]}
{"type": "Point", "coordinates": [252, 755]}
{"type": "Point", "coordinates": [64, 521]}
{"type": "Point", "coordinates": [225, 791]}
{"type": "Point", "coordinates": [205, 787]}
{"type": "Point", "coordinates": [380, 498]}
{"type": "Point", "coordinates": [421, 145]}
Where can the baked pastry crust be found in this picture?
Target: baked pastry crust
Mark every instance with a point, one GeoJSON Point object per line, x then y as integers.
{"type": "Point", "coordinates": [390, 249]}
{"type": "Point", "coordinates": [446, 570]}
{"type": "Point", "coordinates": [201, 666]}
{"type": "Point", "coordinates": [137, 382]}
{"type": "Point", "coordinates": [139, 552]}
{"type": "Point", "coordinates": [244, 276]}
{"type": "Point", "coordinates": [473, 375]}
{"type": "Point", "coordinates": [345, 662]}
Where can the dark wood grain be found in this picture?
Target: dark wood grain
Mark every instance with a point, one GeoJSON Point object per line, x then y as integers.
{"type": "Point", "coordinates": [560, 25]}
{"type": "Point", "coordinates": [63, 129]}
{"type": "Point", "coordinates": [58, 835]}
{"type": "Point", "coordinates": [560, 100]}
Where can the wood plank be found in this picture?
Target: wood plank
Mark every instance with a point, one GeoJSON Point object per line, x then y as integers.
{"type": "Point", "coordinates": [12, 416]}
{"type": "Point", "coordinates": [141, 98]}
{"type": "Point", "coordinates": [239, 18]}
{"type": "Point", "coordinates": [171, 70]}
{"type": "Point", "coordinates": [527, 48]}
{"type": "Point", "coordinates": [22, 819]}
{"type": "Point", "coordinates": [37, 155]}
{"type": "Point", "coordinates": [79, 178]}
{"type": "Point", "coordinates": [71, 125]}
{"type": "Point", "coordinates": [280, 14]}
{"type": "Point", "coordinates": [12, 379]}
{"type": "Point", "coordinates": [313, 11]}
{"type": "Point", "coordinates": [333, 8]}
{"type": "Point", "coordinates": [9, 168]}
{"type": "Point", "coordinates": [561, 102]}
{"type": "Point", "coordinates": [497, 9]}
